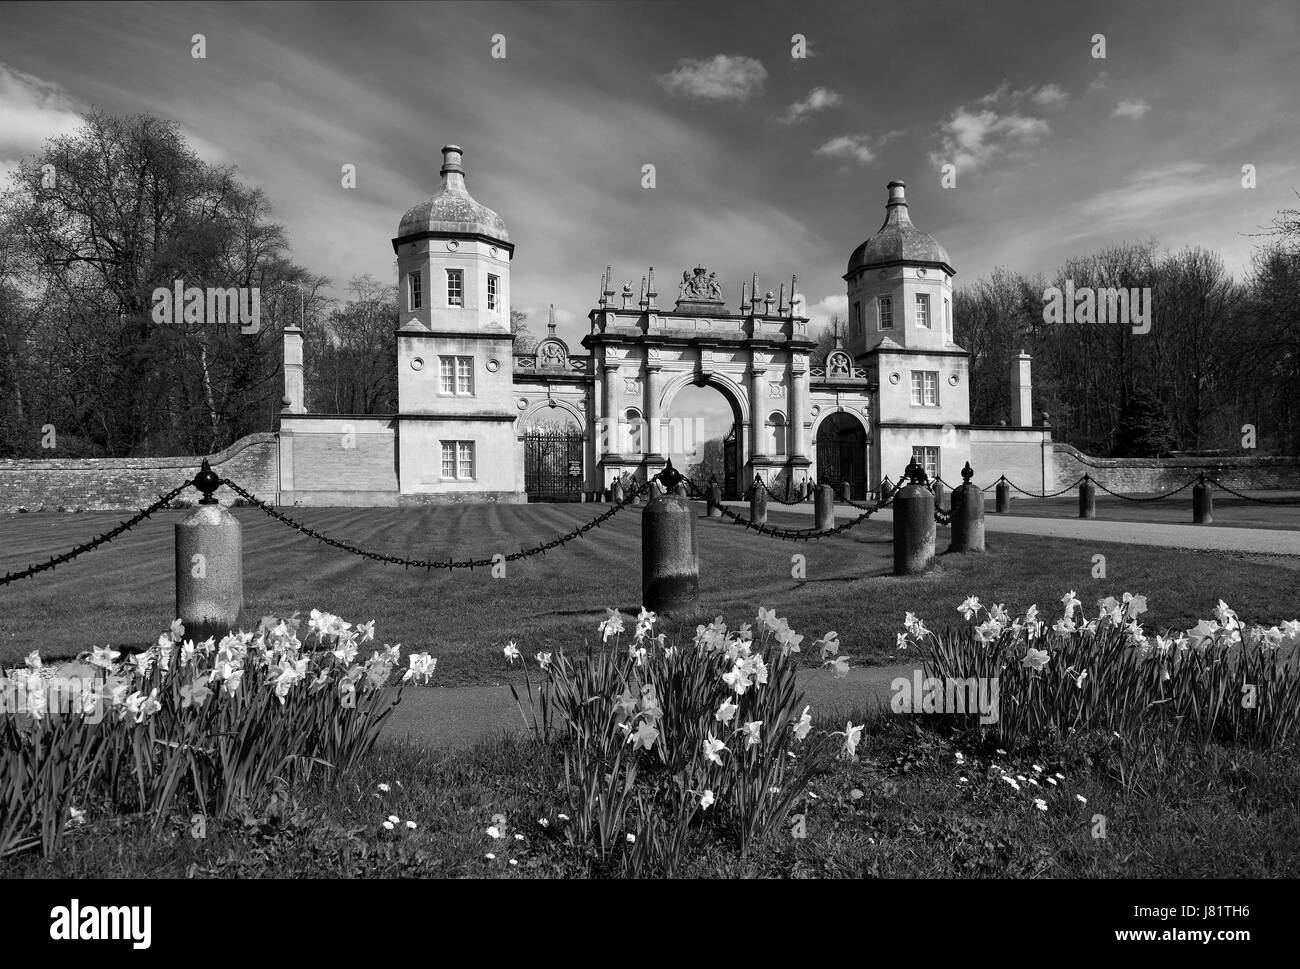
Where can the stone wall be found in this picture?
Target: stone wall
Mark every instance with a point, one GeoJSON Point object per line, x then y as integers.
{"type": "Point", "coordinates": [1022, 454]}
{"type": "Point", "coordinates": [129, 484]}
{"type": "Point", "coordinates": [1137, 475]}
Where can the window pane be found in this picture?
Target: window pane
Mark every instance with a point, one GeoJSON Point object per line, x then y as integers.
{"type": "Point", "coordinates": [445, 381]}
{"type": "Point", "coordinates": [931, 379]}
{"type": "Point", "coordinates": [492, 292]}
{"type": "Point", "coordinates": [448, 459]}
{"type": "Point", "coordinates": [464, 375]}
{"type": "Point", "coordinates": [455, 287]}
{"type": "Point", "coordinates": [923, 310]}
{"type": "Point", "coordinates": [415, 291]}
{"type": "Point", "coordinates": [465, 451]}
{"type": "Point", "coordinates": [886, 313]}
{"type": "Point", "coordinates": [916, 387]}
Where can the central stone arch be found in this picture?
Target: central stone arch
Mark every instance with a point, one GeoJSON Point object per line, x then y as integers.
{"type": "Point", "coordinates": [736, 454]}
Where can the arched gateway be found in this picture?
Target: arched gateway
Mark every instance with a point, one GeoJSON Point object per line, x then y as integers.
{"type": "Point", "coordinates": [478, 420]}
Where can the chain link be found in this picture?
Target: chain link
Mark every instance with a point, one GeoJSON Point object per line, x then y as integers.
{"type": "Point", "coordinates": [162, 502]}
{"type": "Point", "coordinates": [1259, 501]}
{"type": "Point", "coordinates": [796, 534]}
{"type": "Point", "coordinates": [558, 542]}
{"type": "Point", "coordinates": [1166, 494]}
{"type": "Point", "coordinates": [1054, 494]}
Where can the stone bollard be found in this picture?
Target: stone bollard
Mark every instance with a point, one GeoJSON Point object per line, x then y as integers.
{"type": "Point", "coordinates": [758, 505]}
{"type": "Point", "coordinates": [913, 529]}
{"type": "Point", "coordinates": [715, 500]}
{"type": "Point", "coordinates": [825, 507]}
{"type": "Point", "coordinates": [1003, 496]}
{"type": "Point", "coordinates": [967, 515]}
{"type": "Point", "coordinates": [670, 559]}
{"type": "Point", "coordinates": [616, 491]}
{"type": "Point", "coordinates": [1087, 498]}
{"type": "Point", "coordinates": [846, 490]}
{"type": "Point", "coordinates": [939, 493]}
{"type": "Point", "coordinates": [886, 489]}
{"type": "Point", "coordinates": [209, 571]}
{"type": "Point", "coordinates": [1202, 503]}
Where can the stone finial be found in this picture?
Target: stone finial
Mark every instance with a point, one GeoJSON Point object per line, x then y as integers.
{"type": "Point", "coordinates": [452, 171]}
{"type": "Point", "coordinates": [650, 292]}
{"type": "Point", "coordinates": [967, 473]}
{"type": "Point", "coordinates": [550, 322]}
{"type": "Point", "coordinates": [780, 302]}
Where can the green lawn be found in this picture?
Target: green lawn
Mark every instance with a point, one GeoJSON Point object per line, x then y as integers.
{"type": "Point", "coordinates": [123, 593]}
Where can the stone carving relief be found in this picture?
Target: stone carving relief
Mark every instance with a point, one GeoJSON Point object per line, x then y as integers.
{"type": "Point", "coordinates": [550, 353]}
{"type": "Point", "coordinates": [700, 285]}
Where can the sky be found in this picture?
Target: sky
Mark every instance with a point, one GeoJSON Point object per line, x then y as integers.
{"type": "Point", "coordinates": [764, 162]}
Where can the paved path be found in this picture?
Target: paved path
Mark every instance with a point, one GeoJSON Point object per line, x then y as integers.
{"type": "Point", "coordinates": [461, 716]}
{"type": "Point", "coordinates": [1197, 537]}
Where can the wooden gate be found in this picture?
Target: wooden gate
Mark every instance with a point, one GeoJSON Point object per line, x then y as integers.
{"type": "Point", "coordinates": [553, 465]}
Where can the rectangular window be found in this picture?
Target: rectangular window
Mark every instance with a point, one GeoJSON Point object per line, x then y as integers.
{"type": "Point", "coordinates": [947, 317]}
{"type": "Point", "coordinates": [416, 295]}
{"type": "Point", "coordinates": [492, 292]}
{"type": "Point", "coordinates": [455, 287]}
{"type": "Point", "coordinates": [456, 376]}
{"type": "Point", "coordinates": [886, 313]}
{"type": "Point", "coordinates": [857, 319]}
{"type": "Point", "coordinates": [925, 388]}
{"type": "Point", "coordinates": [927, 458]}
{"type": "Point", "coordinates": [923, 310]}
{"type": "Point", "coordinates": [458, 460]}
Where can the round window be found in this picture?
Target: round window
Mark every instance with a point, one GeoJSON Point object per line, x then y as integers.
{"type": "Point", "coordinates": [492, 366]}
{"type": "Point", "coordinates": [453, 245]}
{"type": "Point", "coordinates": [417, 363]}
{"type": "Point", "coordinates": [894, 378]}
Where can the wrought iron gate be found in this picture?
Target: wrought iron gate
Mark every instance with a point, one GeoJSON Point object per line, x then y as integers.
{"type": "Point", "coordinates": [842, 453]}
{"type": "Point", "coordinates": [729, 483]}
{"type": "Point", "coordinates": [553, 465]}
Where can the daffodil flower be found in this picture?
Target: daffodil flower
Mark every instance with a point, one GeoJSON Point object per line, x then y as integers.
{"type": "Point", "coordinates": [713, 747]}
{"type": "Point", "coordinates": [803, 724]}
{"type": "Point", "coordinates": [706, 799]}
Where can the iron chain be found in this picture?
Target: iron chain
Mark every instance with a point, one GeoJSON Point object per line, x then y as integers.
{"type": "Point", "coordinates": [162, 502]}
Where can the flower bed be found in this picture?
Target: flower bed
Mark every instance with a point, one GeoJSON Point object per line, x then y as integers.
{"type": "Point", "coordinates": [209, 728]}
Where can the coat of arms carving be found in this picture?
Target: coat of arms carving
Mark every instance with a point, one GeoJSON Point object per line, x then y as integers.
{"type": "Point", "coordinates": [700, 284]}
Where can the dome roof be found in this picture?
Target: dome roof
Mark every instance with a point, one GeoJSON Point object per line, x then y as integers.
{"type": "Point", "coordinates": [898, 241]}
{"type": "Point", "coordinates": [453, 209]}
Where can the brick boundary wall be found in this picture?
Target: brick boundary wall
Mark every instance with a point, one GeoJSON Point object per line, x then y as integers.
{"type": "Point", "coordinates": [1137, 475]}
{"type": "Point", "coordinates": [128, 484]}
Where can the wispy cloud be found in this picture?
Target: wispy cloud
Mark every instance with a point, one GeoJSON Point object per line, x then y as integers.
{"type": "Point", "coordinates": [32, 110]}
{"type": "Point", "coordinates": [1134, 109]}
{"type": "Point", "coordinates": [818, 99]}
{"type": "Point", "coordinates": [1050, 96]}
{"type": "Point", "coordinates": [722, 77]}
{"type": "Point", "coordinates": [862, 149]}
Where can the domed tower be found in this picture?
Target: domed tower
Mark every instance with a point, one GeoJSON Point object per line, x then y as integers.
{"type": "Point", "coordinates": [455, 402]}
{"type": "Point", "coordinates": [900, 329]}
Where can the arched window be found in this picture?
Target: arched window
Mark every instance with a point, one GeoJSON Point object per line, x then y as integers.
{"type": "Point", "coordinates": [634, 437]}
{"type": "Point", "coordinates": [776, 434]}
